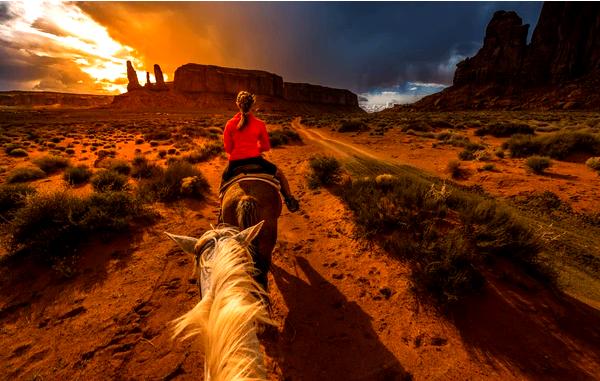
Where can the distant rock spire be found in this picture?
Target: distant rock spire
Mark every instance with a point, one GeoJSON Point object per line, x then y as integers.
{"type": "Point", "coordinates": [148, 83]}
{"type": "Point", "coordinates": [158, 76]}
{"type": "Point", "coordinates": [133, 84]}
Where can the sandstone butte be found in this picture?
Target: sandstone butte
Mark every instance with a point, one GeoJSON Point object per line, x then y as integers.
{"type": "Point", "coordinates": [559, 69]}
{"type": "Point", "coordinates": [208, 86]}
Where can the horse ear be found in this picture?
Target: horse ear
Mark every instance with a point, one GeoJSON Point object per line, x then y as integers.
{"type": "Point", "coordinates": [185, 242]}
{"type": "Point", "coordinates": [248, 235]}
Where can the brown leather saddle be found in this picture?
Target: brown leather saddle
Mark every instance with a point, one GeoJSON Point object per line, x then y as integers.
{"type": "Point", "coordinates": [250, 172]}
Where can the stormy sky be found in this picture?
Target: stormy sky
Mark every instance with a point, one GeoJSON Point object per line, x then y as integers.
{"type": "Point", "coordinates": [369, 48]}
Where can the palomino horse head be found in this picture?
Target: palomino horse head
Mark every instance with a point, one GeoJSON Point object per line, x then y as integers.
{"type": "Point", "coordinates": [231, 307]}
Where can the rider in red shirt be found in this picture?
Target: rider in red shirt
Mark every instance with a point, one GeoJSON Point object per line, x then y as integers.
{"type": "Point", "coordinates": [245, 138]}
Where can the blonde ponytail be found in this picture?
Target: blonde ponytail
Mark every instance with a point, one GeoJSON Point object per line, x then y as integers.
{"type": "Point", "coordinates": [244, 101]}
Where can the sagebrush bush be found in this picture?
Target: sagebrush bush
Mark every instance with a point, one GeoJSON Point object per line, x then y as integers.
{"type": "Point", "coordinates": [179, 180]}
{"type": "Point", "coordinates": [108, 181]}
{"type": "Point", "coordinates": [325, 170]}
{"type": "Point", "coordinates": [13, 197]}
{"type": "Point", "coordinates": [502, 130]}
{"type": "Point", "coordinates": [488, 167]}
{"type": "Point", "coordinates": [205, 152]}
{"type": "Point", "coordinates": [11, 146]}
{"type": "Point", "coordinates": [448, 235]}
{"type": "Point", "coordinates": [18, 152]}
{"type": "Point", "coordinates": [283, 136]}
{"type": "Point", "coordinates": [77, 175]}
{"type": "Point", "coordinates": [51, 164]}
{"type": "Point", "coordinates": [559, 145]}
{"type": "Point", "coordinates": [352, 125]}
{"type": "Point", "coordinates": [143, 169]}
{"type": "Point", "coordinates": [593, 163]}
{"type": "Point", "coordinates": [157, 135]}
{"type": "Point", "coordinates": [470, 151]}
{"type": "Point", "coordinates": [454, 169]}
{"type": "Point", "coordinates": [538, 164]}
{"type": "Point", "coordinates": [57, 223]}
{"type": "Point", "coordinates": [24, 174]}
{"type": "Point", "coordinates": [120, 166]}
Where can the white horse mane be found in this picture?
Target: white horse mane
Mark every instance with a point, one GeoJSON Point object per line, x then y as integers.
{"type": "Point", "coordinates": [227, 316]}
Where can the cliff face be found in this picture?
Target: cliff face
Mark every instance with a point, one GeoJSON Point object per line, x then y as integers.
{"type": "Point", "coordinates": [304, 92]}
{"type": "Point", "coordinates": [196, 78]}
{"type": "Point", "coordinates": [556, 70]}
{"type": "Point", "coordinates": [51, 99]}
{"type": "Point", "coordinates": [565, 44]}
{"type": "Point", "coordinates": [504, 49]}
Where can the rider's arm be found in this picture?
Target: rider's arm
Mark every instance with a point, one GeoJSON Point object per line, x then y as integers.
{"type": "Point", "coordinates": [263, 139]}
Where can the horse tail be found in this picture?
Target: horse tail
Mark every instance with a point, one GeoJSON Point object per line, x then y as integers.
{"type": "Point", "coordinates": [247, 212]}
{"type": "Point", "coordinates": [226, 318]}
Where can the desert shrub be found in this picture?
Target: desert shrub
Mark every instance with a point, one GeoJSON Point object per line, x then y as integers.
{"type": "Point", "coordinates": [558, 145]}
{"type": "Point", "coordinates": [162, 153]}
{"type": "Point", "coordinates": [454, 169]}
{"type": "Point", "coordinates": [499, 152]}
{"type": "Point", "coordinates": [593, 163]}
{"type": "Point", "coordinates": [325, 170]}
{"type": "Point", "coordinates": [120, 166]}
{"type": "Point", "coordinates": [496, 231]}
{"type": "Point", "coordinates": [352, 125]}
{"type": "Point", "coordinates": [416, 126]}
{"type": "Point", "coordinates": [179, 180]}
{"type": "Point", "coordinates": [13, 197]}
{"type": "Point", "coordinates": [57, 223]}
{"type": "Point", "coordinates": [205, 152]}
{"type": "Point", "coordinates": [538, 164]}
{"type": "Point", "coordinates": [70, 151]}
{"type": "Point", "coordinates": [283, 137]}
{"type": "Point", "coordinates": [469, 152]}
{"type": "Point", "coordinates": [143, 169]}
{"type": "Point", "coordinates": [139, 141]}
{"type": "Point", "coordinates": [108, 181]}
{"type": "Point", "coordinates": [448, 235]}
{"type": "Point", "coordinates": [51, 164]}
{"type": "Point", "coordinates": [157, 135]}
{"type": "Point", "coordinates": [18, 152]}
{"type": "Point", "coordinates": [24, 174]}
{"type": "Point", "coordinates": [501, 130]}
{"type": "Point", "coordinates": [488, 167]}
{"type": "Point", "coordinates": [447, 274]}
{"type": "Point", "coordinates": [77, 175]}
{"type": "Point", "coordinates": [10, 147]}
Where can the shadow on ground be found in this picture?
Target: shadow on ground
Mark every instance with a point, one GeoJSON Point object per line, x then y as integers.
{"type": "Point", "coordinates": [326, 337]}
{"type": "Point", "coordinates": [546, 335]}
{"type": "Point", "coordinates": [28, 285]}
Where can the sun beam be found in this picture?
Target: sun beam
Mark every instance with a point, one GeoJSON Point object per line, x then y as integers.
{"type": "Point", "coordinates": [58, 30]}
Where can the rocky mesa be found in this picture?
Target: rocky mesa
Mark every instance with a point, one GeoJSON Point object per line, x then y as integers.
{"type": "Point", "coordinates": [559, 69]}
{"type": "Point", "coordinates": [209, 86]}
{"type": "Point", "coordinates": [49, 99]}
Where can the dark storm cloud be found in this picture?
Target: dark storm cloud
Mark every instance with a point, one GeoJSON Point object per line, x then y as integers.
{"type": "Point", "coordinates": [367, 45]}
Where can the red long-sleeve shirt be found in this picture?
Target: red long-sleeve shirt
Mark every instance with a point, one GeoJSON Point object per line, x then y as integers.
{"type": "Point", "coordinates": [248, 142]}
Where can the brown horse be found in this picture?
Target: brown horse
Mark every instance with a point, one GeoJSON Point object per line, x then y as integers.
{"type": "Point", "coordinates": [244, 204]}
